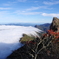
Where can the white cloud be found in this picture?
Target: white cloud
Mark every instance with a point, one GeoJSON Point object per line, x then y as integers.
{"type": "Point", "coordinates": [51, 15]}
{"type": "Point", "coordinates": [31, 13]}
{"type": "Point", "coordinates": [26, 13]}
{"type": "Point", "coordinates": [9, 3]}
{"type": "Point", "coordinates": [2, 8]}
{"type": "Point", "coordinates": [36, 8]}
{"type": "Point", "coordinates": [6, 16]}
{"type": "Point", "coordinates": [22, 0]}
{"type": "Point", "coordinates": [4, 13]}
{"type": "Point", "coordinates": [36, 1]}
{"type": "Point", "coordinates": [51, 3]}
{"type": "Point", "coordinates": [6, 4]}
{"type": "Point", "coordinates": [33, 8]}
{"type": "Point", "coordinates": [10, 36]}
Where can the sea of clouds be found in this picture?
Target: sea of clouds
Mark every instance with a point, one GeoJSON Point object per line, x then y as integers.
{"type": "Point", "coordinates": [10, 36]}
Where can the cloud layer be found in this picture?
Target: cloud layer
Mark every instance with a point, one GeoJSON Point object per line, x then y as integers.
{"type": "Point", "coordinates": [51, 3]}
{"type": "Point", "coordinates": [50, 15]}
{"type": "Point", "coordinates": [22, 0]}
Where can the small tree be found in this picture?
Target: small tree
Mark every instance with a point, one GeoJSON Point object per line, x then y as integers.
{"type": "Point", "coordinates": [47, 45]}
{"type": "Point", "coordinates": [38, 45]}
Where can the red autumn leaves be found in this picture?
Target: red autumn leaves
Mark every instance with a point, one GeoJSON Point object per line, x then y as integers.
{"type": "Point", "coordinates": [54, 34]}
{"type": "Point", "coordinates": [49, 33]}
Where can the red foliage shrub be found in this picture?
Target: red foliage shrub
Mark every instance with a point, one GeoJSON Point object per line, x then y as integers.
{"type": "Point", "coordinates": [54, 34]}
{"type": "Point", "coordinates": [44, 34]}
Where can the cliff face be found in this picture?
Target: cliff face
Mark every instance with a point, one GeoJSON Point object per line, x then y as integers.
{"type": "Point", "coordinates": [55, 25]}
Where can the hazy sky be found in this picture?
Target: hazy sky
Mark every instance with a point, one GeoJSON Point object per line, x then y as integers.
{"type": "Point", "coordinates": [28, 11]}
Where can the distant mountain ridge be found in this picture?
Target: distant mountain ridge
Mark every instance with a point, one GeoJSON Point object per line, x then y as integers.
{"type": "Point", "coordinates": [22, 24]}
{"type": "Point", "coordinates": [43, 27]}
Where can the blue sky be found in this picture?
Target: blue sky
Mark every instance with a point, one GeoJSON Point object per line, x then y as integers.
{"type": "Point", "coordinates": [28, 11]}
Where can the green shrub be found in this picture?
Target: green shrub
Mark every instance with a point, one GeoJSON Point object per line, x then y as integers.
{"type": "Point", "coordinates": [26, 38]}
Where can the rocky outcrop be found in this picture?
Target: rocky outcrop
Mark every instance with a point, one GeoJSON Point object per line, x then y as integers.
{"type": "Point", "coordinates": [55, 24]}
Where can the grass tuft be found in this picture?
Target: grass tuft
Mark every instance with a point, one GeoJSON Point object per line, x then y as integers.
{"type": "Point", "coordinates": [26, 38]}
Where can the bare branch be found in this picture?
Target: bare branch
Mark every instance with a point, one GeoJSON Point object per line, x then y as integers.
{"type": "Point", "coordinates": [31, 54]}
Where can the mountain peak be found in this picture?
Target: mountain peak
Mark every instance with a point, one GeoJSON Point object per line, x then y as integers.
{"type": "Point", "coordinates": [55, 18]}
{"type": "Point", "coordinates": [55, 24]}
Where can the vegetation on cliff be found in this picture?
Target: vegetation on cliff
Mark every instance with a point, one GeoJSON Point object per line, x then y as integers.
{"type": "Point", "coordinates": [26, 38]}
{"type": "Point", "coordinates": [44, 47]}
